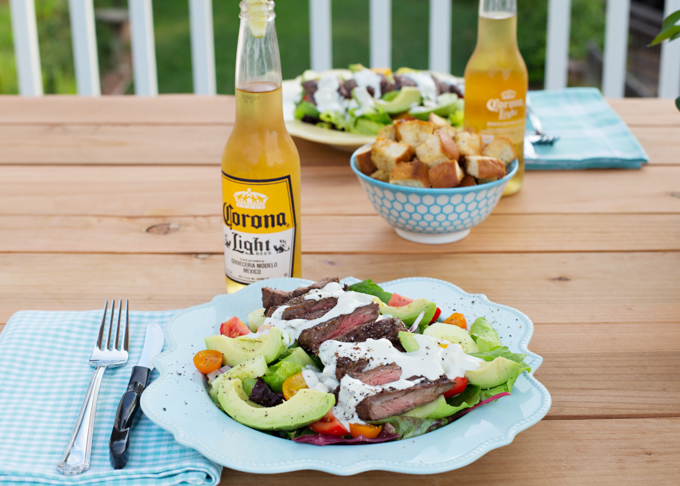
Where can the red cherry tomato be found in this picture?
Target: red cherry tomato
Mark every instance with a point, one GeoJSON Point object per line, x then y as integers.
{"type": "Point", "coordinates": [459, 385]}
{"type": "Point", "coordinates": [329, 425]}
{"type": "Point", "coordinates": [436, 315]}
{"type": "Point", "coordinates": [399, 301]}
{"type": "Point", "coordinates": [234, 328]}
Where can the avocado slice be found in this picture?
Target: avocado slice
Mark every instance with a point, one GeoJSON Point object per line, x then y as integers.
{"type": "Point", "coordinates": [493, 373]}
{"type": "Point", "coordinates": [425, 411]}
{"type": "Point", "coordinates": [256, 319]}
{"type": "Point", "coordinates": [447, 104]}
{"type": "Point", "coordinates": [252, 368]}
{"type": "Point", "coordinates": [402, 102]}
{"type": "Point", "coordinates": [237, 350]}
{"type": "Point", "coordinates": [305, 407]}
{"type": "Point", "coordinates": [409, 313]}
{"type": "Point", "coordinates": [453, 334]}
{"type": "Point", "coordinates": [408, 342]}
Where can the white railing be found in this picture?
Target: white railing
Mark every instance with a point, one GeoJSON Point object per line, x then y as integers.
{"type": "Point", "coordinates": [203, 48]}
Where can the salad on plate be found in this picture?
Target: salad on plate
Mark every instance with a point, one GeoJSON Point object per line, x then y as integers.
{"type": "Point", "coordinates": [362, 101]}
{"type": "Point", "coordinates": [338, 364]}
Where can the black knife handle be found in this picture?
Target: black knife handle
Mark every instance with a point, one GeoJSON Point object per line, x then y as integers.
{"type": "Point", "coordinates": [119, 444]}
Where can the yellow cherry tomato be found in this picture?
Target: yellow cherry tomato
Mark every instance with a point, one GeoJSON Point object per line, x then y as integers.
{"type": "Point", "coordinates": [293, 385]}
{"type": "Point", "coordinates": [208, 361]}
{"type": "Point", "coordinates": [367, 430]}
{"type": "Point", "coordinates": [457, 319]}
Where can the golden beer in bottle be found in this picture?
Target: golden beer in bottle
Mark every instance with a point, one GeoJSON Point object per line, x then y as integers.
{"type": "Point", "coordinates": [496, 81]}
{"type": "Point", "coordinates": [260, 164]}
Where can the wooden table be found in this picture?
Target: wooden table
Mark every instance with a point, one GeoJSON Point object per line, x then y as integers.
{"type": "Point", "coordinates": [110, 197]}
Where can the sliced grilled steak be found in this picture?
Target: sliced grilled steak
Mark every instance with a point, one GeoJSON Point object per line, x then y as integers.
{"type": "Point", "coordinates": [273, 298]}
{"type": "Point", "coordinates": [310, 88]}
{"type": "Point", "coordinates": [302, 308]}
{"type": "Point", "coordinates": [311, 338]}
{"type": "Point", "coordinates": [454, 89]}
{"type": "Point", "coordinates": [386, 328]}
{"type": "Point", "coordinates": [392, 402]}
{"type": "Point", "coordinates": [380, 375]}
{"type": "Point", "coordinates": [385, 85]}
{"type": "Point", "coordinates": [401, 81]}
{"type": "Point", "coordinates": [346, 88]}
{"type": "Point", "coordinates": [347, 365]}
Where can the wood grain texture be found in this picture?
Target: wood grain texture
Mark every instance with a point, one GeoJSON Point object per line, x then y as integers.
{"type": "Point", "coordinates": [343, 234]}
{"type": "Point", "coordinates": [195, 191]}
{"type": "Point", "coordinates": [583, 452]}
{"type": "Point", "coordinates": [201, 110]}
{"type": "Point", "coordinates": [199, 145]}
{"type": "Point", "coordinates": [549, 288]}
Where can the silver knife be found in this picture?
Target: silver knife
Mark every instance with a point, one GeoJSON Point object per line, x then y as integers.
{"type": "Point", "coordinates": [119, 445]}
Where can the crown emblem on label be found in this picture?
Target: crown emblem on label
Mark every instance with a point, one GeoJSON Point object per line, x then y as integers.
{"type": "Point", "coordinates": [508, 94]}
{"type": "Point", "coordinates": [250, 200]}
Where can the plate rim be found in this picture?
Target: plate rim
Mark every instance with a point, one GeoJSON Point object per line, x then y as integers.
{"type": "Point", "coordinates": [370, 464]}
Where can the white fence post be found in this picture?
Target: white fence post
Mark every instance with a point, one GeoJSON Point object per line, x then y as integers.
{"type": "Point", "coordinates": [143, 47]}
{"type": "Point", "coordinates": [615, 48]}
{"type": "Point", "coordinates": [381, 33]}
{"type": "Point", "coordinates": [557, 44]}
{"type": "Point", "coordinates": [84, 41]}
{"type": "Point", "coordinates": [440, 36]}
{"type": "Point", "coordinates": [26, 50]}
{"type": "Point", "coordinates": [669, 72]}
{"type": "Point", "coordinates": [202, 46]}
{"type": "Point", "coordinates": [320, 34]}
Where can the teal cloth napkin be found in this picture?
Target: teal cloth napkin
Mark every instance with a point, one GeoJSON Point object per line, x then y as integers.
{"type": "Point", "coordinates": [44, 375]}
{"type": "Point", "coordinates": [592, 136]}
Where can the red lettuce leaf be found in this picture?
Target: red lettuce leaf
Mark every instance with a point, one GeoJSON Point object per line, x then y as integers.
{"type": "Point", "coordinates": [386, 434]}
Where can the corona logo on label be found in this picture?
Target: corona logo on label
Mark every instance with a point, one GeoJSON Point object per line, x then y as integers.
{"type": "Point", "coordinates": [508, 95]}
{"type": "Point", "coordinates": [250, 200]}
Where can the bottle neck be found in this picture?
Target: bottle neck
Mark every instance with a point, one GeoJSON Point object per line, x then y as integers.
{"type": "Point", "coordinates": [497, 26]}
{"type": "Point", "coordinates": [258, 62]}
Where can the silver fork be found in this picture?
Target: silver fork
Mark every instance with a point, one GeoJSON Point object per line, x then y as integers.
{"type": "Point", "coordinates": [540, 137]}
{"type": "Point", "coordinates": [106, 354]}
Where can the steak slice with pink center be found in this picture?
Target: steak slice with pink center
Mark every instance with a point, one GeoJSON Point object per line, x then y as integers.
{"type": "Point", "coordinates": [273, 298]}
{"type": "Point", "coordinates": [311, 338]}
{"type": "Point", "coordinates": [379, 375]}
{"type": "Point", "coordinates": [303, 308]}
{"type": "Point", "coordinates": [390, 402]}
{"type": "Point", "coordinates": [382, 329]}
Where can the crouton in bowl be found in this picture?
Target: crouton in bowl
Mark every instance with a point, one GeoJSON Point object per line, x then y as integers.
{"type": "Point", "coordinates": [428, 203]}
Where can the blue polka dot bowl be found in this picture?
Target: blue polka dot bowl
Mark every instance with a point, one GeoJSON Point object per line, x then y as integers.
{"type": "Point", "coordinates": [433, 216]}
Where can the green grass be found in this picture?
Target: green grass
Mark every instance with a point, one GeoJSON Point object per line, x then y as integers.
{"type": "Point", "coordinates": [350, 38]}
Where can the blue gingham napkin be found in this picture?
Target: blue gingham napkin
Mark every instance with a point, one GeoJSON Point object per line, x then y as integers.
{"type": "Point", "coordinates": [44, 374]}
{"type": "Point", "coordinates": [592, 136]}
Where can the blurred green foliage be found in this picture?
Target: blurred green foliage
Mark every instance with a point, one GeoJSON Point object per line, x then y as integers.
{"type": "Point", "coordinates": [350, 38]}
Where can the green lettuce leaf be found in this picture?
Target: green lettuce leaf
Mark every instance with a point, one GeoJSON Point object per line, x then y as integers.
{"type": "Point", "coordinates": [485, 335]}
{"type": "Point", "coordinates": [248, 384]}
{"type": "Point", "coordinates": [335, 118]}
{"type": "Point", "coordinates": [503, 352]}
{"type": "Point", "coordinates": [305, 108]}
{"type": "Point", "coordinates": [279, 373]}
{"type": "Point", "coordinates": [469, 397]}
{"type": "Point", "coordinates": [371, 288]}
{"type": "Point", "coordinates": [408, 427]}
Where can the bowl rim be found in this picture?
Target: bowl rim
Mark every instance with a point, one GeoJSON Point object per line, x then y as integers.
{"type": "Point", "coordinates": [514, 166]}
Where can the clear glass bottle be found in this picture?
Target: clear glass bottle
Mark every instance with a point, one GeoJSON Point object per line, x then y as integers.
{"type": "Point", "coordinates": [260, 164]}
{"type": "Point", "coordinates": [496, 81]}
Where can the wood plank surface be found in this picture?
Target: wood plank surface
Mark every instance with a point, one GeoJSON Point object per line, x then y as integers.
{"type": "Point", "coordinates": [548, 287]}
{"type": "Point", "coordinates": [200, 110]}
{"type": "Point", "coordinates": [199, 144]}
{"type": "Point", "coordinates": [195, 191]}
{"type": "Point", "coordinates": [343, 234]}
{"type": "Point", "coordinates": [583, 452]}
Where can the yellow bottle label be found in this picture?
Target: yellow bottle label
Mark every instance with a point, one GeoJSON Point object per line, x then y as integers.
{"type": "Point", "coordinates": [259, 228]}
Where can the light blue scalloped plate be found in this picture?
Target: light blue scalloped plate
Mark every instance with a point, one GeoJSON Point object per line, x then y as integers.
{"type": "Point", "coordinates": [179, 403]}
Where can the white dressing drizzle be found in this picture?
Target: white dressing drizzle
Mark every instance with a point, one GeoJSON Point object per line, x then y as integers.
{"type": "Point", "coordinates": [425, 84]}
{"type": "Point", "coordinates": [347, 303]}
{"type": "Point", "coordinates": [327, 97]}
{"type": "Point", "coordinates": [430, 361]}
{"type": "Point", "coordinates": [366, 78]}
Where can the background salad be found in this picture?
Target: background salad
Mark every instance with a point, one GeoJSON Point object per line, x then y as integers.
{"type": "Point", "coordinates": [362, 100]}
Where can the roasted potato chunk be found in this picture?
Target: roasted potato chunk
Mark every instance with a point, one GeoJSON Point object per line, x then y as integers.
{"type": "Point", "coordinates": [445, 175]}
{"type": "Point", "coordinates": [386, 154]}
{"type": "Point", "coordinates": [410, 174]}
{"type": "Point", "coordinates": [482, 167]}
{"type": "Point", "coordinates": [501, 148]}
{"type": "Point", "coordinates": [413, 132]}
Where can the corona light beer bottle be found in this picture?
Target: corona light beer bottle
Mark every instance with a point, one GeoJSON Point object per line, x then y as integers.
{"type": "Point", "coordinates": [496, 81]}
{"type": "Point", "coordinates": [260, 164]}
